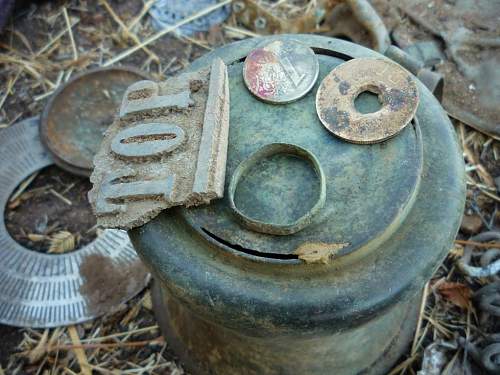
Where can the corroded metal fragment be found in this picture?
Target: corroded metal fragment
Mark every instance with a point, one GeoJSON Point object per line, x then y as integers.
{"type": "Point", "coordinates": [396, 90]}
{"type": "Point", "coordinates": [281, 72]}
{"type": "Point", "coordinates": [167, 148]}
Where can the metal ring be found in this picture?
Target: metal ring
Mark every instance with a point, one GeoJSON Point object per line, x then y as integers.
{"type": "Point", "coordinates": [46, 290]}
{"type": "Point", "coordinates": [489, 298]}
{"type": "Point", "coordinates": [274, 228]}
{"type": "Point", "coordinates": [489, 357]}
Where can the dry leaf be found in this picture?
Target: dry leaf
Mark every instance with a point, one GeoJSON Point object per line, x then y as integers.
{"type": "Point", "coordinates": [457, 293]}
{"type": "Point", "coordinates": [147, 302]}
{"type": "Point", "coordinates": [40, 349]}
{"type": "Point", "coordinates": [318, 252]}
{"type": "Point", "coordinates": [457, 251]}
{"type": "Point", "coordinates": [131, 315]}
{"type": "Point", "coordinates": [62, 242]}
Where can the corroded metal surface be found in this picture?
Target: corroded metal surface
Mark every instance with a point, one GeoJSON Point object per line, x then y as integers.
{"type": "Point", "coordinates": [207, 348]}
{"type": "Point", "coordinates": [79, 112]}
{"type": "Point", "coordinates": [468, 36]}
{"type": "Point", "coordinates": [280, 72]}
{"type": "Point", "coordinates": [394, 86]}
{"type": "Point", "coordinates": [167, 148]}
{"type": "Point", "coordinates": [46, 290]}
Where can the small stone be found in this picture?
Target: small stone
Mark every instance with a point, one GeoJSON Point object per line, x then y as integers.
{"type": "Point", "coordinates": [471, 224]}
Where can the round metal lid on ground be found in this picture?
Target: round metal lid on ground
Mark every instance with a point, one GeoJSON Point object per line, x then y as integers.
{"type": "Point", "coordinates": [394, 86]}
{"type": "Point", "coordinates": [281, 72]}
{"type": "Point", "coordinates": [80, 111]}
{"type": "Point", "coordinates": [44, 290]}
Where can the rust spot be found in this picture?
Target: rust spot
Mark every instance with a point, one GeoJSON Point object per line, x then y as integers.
{"type": "Point", "coordinates": [344, 87]}
{"type": "Point", "coordinates": [195, 85]}
{"type": "Point", "coordinates": [140, 94]}
{"type": "Point", "coordinates": [395, 99]}
{"type": "Point", "coordinates": [318, 252]}
{"type": "Point", "coordinates": [107, 284]}
{"type": "Point", "coordinates": [337, 119]}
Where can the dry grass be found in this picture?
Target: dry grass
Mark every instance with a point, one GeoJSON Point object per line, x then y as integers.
{"type": "Point", "coordinates": [45, 46]}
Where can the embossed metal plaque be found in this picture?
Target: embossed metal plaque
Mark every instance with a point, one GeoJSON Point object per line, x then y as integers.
{"type": "Point", "coordinates": [167, 148]}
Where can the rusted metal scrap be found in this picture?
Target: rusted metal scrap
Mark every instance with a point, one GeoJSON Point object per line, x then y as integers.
{"type": "Point", "coordinates": [359, 22]}
{"type": "Point", "coordinates": [464, 42]}
{"type": "Point", "coordinates": [265, 19]}
{"type": "Point", "coordinates": [167, 148]}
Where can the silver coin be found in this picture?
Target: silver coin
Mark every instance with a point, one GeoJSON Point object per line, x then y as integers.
{"type": "Point", "coordinates": [281, 71]}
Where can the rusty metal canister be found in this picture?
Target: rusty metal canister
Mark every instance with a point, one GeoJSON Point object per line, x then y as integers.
{"type": "Point", "coordinates": [233, 299]}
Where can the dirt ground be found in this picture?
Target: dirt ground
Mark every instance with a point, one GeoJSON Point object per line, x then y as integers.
{"type": "Point", "coordinates": [34, 60]}
{"type": "Point", "coordinates": [52, 213]}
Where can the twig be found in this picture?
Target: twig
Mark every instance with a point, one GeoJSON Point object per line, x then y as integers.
{"type": "Point", "coordinates": [479, 244]}
{"type": "Point", "coordinates": [126, 30]}
{"type": "Point", "coordinates": [197, 42]}
{"type": "Point", "coordinates": [420, 319]}
{"type": "Point", "coordinates": [23, 186]}
{"type": "Point", "coordinates": [241, 31]}
{"type": "Point", "coordinates": [132, 344]}
{"type": "Point", "coordinates": [488, 194]}
{"type": "Point", "coordinates": [79, 352]}
{"type": "Point", "coordinates": [135, 331]}
{"type": "Point", "coordinates": [144, 10]}
{"type": "Point", "coordinates": [10, 84]}
{"type": "Point", "coordinates": [55, 39]}
{"type": "Point", "coordinates": [70, 32]}
{"type": "Point", "coordinates": [165, 31]}
{"type": "Point", "coordinates": [61, 197]}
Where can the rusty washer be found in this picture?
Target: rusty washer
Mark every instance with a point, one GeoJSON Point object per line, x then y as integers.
{"type": "Point", "coordinates": [396, 90]}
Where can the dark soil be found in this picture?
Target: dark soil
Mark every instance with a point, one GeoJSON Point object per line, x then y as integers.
{"type": "Point", "coordinates": [39, 211]}
{"type": "Point", "coordinates": [10, 338]}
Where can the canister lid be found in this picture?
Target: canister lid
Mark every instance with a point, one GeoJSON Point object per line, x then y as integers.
{"type": "Point", "coordinates": [368, 189]}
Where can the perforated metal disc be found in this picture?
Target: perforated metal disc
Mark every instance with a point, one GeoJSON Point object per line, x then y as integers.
{"type": "Point", "coordinates": [166, 13]}
{"type": "Point", "coordinates": [44, 290]}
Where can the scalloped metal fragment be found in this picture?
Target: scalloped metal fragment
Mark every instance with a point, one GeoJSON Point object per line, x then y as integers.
{"type": "Point", "coordinates": [46, 290]}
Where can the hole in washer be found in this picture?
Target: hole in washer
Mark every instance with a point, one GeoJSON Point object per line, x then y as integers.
{"type": "Point", "coordinates": [37, 213]}
{"type": "Point", "coordinates": [368, 101]}
{"type": "Point", "coordinates": [278, 189]}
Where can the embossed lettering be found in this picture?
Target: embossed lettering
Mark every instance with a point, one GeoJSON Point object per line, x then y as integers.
{"type": "Point", "coordinates": [144, 95]}
{"type": "Point", "coordinates": [116, 190]}
{"type": "Point", "coordinates": [151, 139]}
